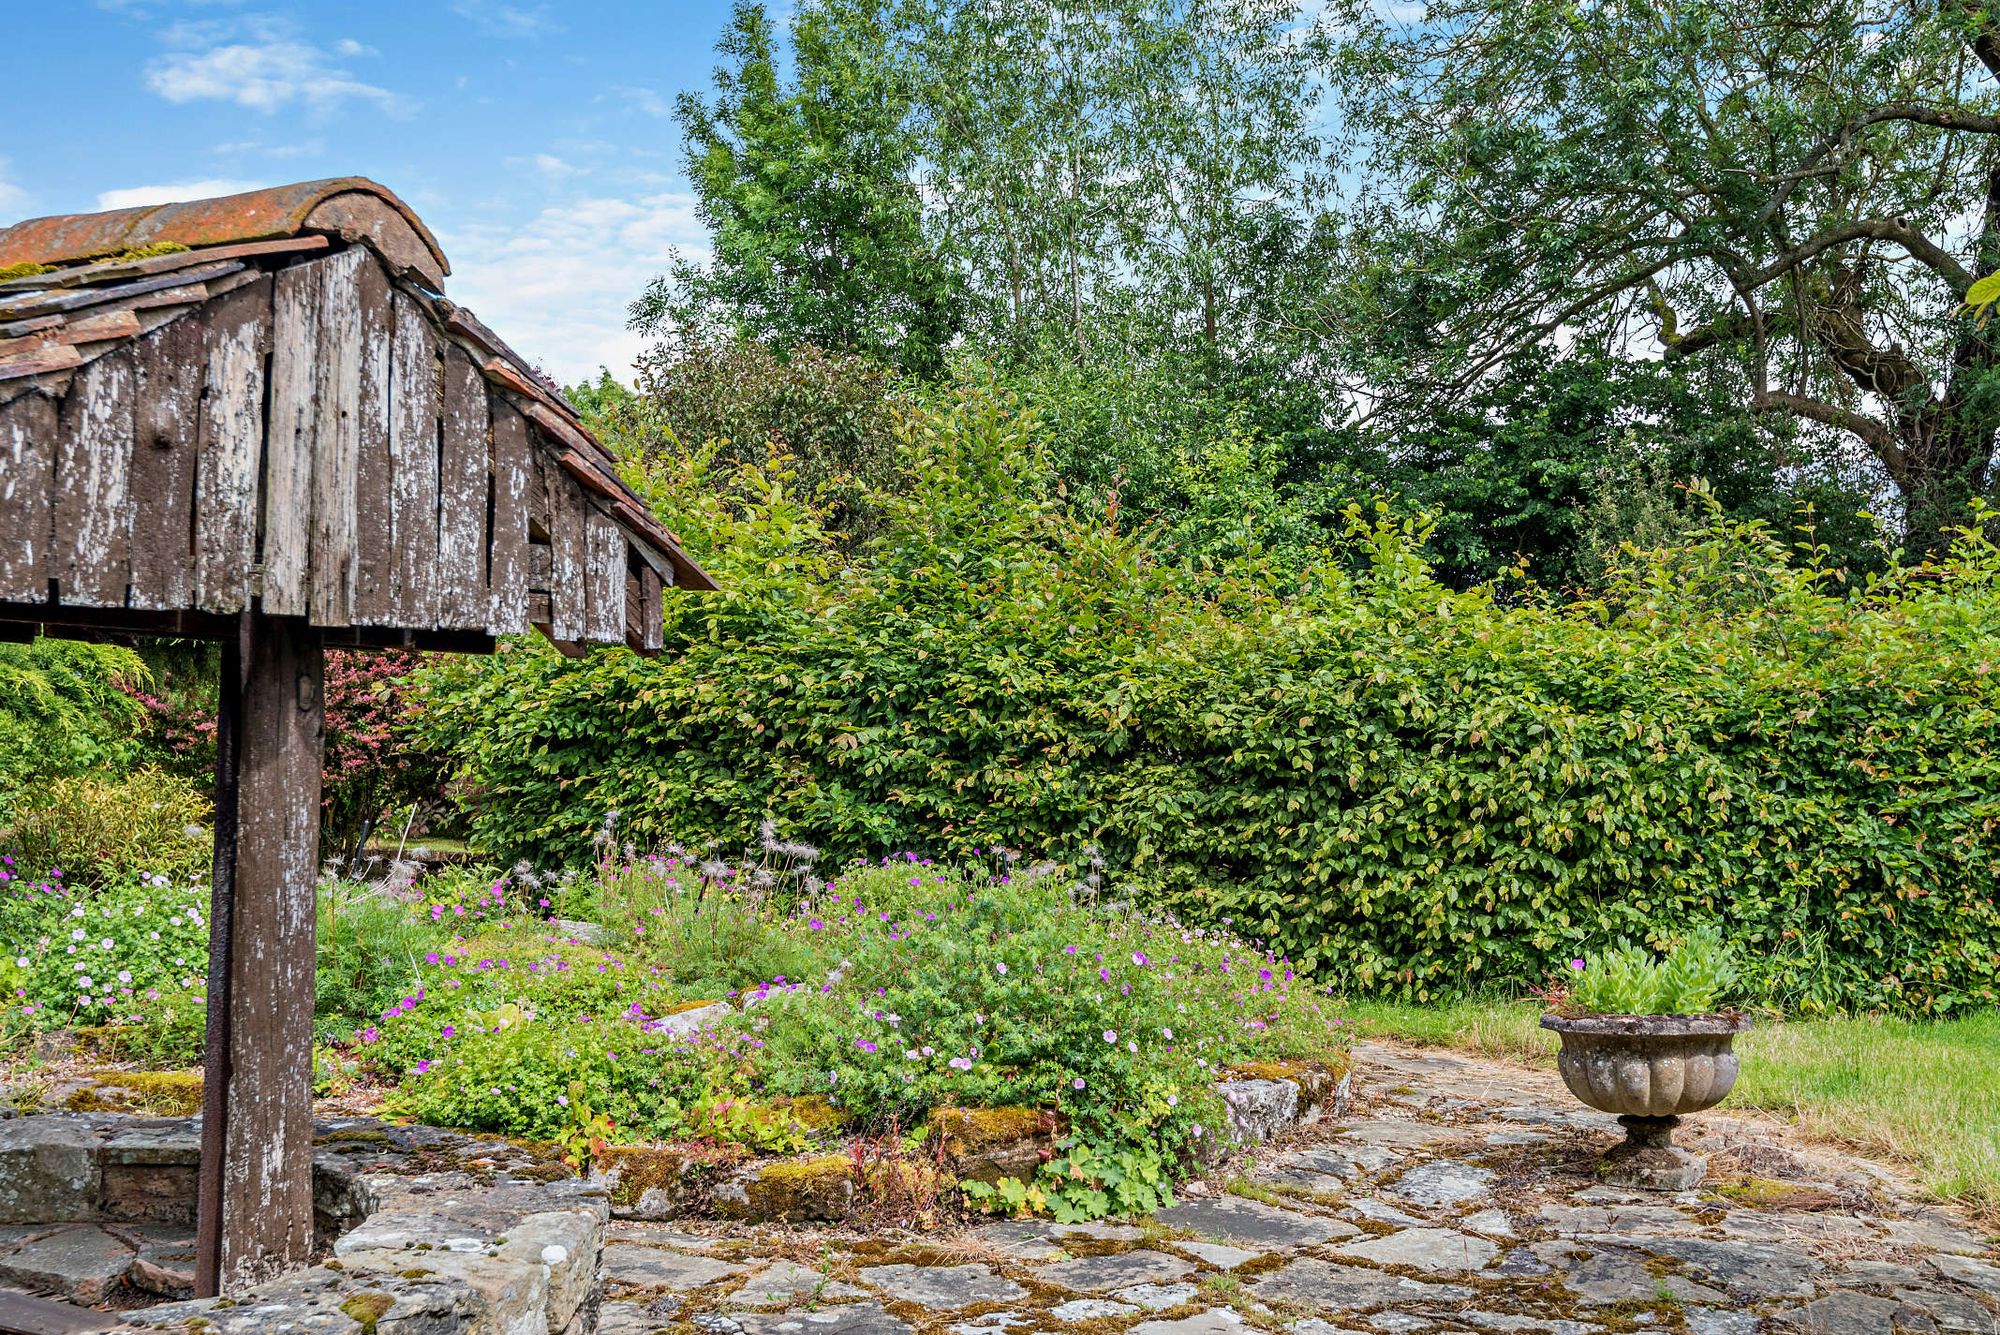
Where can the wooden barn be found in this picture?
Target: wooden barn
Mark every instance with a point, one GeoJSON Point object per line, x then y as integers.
{"type": "Point", "coordinates": [257, 419]}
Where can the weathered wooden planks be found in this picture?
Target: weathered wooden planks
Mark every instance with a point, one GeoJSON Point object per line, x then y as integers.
{"type": "Point", "coordinates": [166, 421]}
{"type": "Point", "coordinates": [288, 439]}
{"type": "Point", "coordinates": [507, 550]}
{"type": "Point", "coordinates": [93, 521]}
{"type": "Point", "coordinates": [604, 579]}
{"type": "Point", "coordinates": [314, 440]}
{"type": "Point", "coordinates": [230, 440]}
{"type": "Point", "coordinates": [568, 599]}
{"type": "Point", "coordinates": [334, 442]}
{"type": "Point", "coordinates": [27, 486]}
{"type": "Point", "coordinates": [266, 954]}
{"type": "Point", "coordinates": [463, 453]}
{"type": "Point", "coordinates": [413, 462]}
{"type": "Point", "coordinates": [375, 551]}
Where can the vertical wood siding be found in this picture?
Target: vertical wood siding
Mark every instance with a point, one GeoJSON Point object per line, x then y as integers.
{"type": "Point", "coordinates": [312, 437]}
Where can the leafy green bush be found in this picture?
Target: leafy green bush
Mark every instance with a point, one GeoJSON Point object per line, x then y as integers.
{"type": "Point", "coordinates": [1692, 978]}
{"type": "Point", "coordinates": [1426, 790]}
{"type": "Point", "coordinates": [112, 829]}
{"type": "Point", "coordinates": [63, 709]}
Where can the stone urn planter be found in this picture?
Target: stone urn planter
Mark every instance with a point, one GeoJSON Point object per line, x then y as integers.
{"type": "Point", "coordinates": [1649, 1071]}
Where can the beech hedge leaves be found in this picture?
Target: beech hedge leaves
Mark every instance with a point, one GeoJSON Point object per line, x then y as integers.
{"type": "Point", "coordinates": [1422, 791]}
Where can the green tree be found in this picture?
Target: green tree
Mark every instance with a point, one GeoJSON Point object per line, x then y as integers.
{"type": "Point", "coordinates": [1803, 191]}
{"type": "Point", "coordinates": [808, 192]}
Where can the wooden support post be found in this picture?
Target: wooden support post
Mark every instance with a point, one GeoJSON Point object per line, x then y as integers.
{"type": "Point", "coordinates": [256, 1201]}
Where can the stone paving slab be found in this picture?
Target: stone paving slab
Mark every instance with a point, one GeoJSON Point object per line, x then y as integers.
{"type": "Point", "coordinates": [1254, 1223]}
{"type": "Point", "coordinates": [942, 1287]}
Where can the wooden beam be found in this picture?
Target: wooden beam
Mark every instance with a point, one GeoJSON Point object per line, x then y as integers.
{"type": "Point", "coordinates": [256, 1209]}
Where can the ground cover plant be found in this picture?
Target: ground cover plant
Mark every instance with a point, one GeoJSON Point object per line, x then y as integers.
{"type": "Point", "coordinates": [730, 1006]}
{"type": "Point", "coordinates": [886, 992]}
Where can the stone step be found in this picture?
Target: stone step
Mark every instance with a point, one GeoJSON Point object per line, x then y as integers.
{"type": "Point", "coordinates": [23, 1314]}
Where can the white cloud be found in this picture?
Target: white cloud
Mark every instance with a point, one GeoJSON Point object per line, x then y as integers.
{"type": "Point", "coordinates": [504, 20]}
{"type": "Point", "coordinates": [645, 100]}
{"type": "Point", "coordinates": [556, 288]}
{"type": "Point", "coordinates": [13, 199]}
{"type": "Point", "coordinates": [548, 164]}
{"type": "Point", "coordinates": [132, 196]}
{"type": "Point", "coordinates": [263, 65]}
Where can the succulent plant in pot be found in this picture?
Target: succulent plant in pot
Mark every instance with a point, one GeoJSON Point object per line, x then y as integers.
{"type": "Point", "coordinates": [1647, 1039]}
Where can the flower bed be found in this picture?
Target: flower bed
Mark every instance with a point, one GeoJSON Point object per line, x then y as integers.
{"type": "Point", "coordinates": [782, 1017]}
{"type": "Point", "coordinates": [890, 993]}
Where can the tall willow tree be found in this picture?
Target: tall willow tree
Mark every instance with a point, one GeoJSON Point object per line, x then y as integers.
{"type": "Point", "coordinates": [1148, 161]}
{"type": "Point", "coordinates": [1803, 189]}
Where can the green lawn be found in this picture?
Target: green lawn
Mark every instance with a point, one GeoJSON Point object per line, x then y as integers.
{"type": "Point", "coordinates": [1920, 1093]}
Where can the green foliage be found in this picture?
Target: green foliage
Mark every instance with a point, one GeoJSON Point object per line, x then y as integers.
{"type": "Point", "coordinates": [1692, 978]}
{"type": "Point", "coordinates": [62, 709]}
{"type": "Point", "coordinates": [112, 829]}
{"type": "Point", "coordinates": [818, 230]}
{"type": "Point", "coordinates": [370, 950]}
{"type": "Point", "coordinates": [128, 953]}
{"type": "Point", "coordinates": [1426, 789]}
{"type": "Point", "coordinates": [910, 987]}
{"type": "Point", "coordinates": [1776, 191]}
{"type": "Point", "coordinates": [826, 421]}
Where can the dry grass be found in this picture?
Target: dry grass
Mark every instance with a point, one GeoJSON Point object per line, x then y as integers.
{"type": "Point", "coordinates": [1919, 1093]}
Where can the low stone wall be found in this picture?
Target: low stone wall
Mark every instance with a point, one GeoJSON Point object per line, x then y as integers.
{"type": "Point", "coordinates": [422, 1230]}
{"type": "Point", "coordinates": [978, 1144]}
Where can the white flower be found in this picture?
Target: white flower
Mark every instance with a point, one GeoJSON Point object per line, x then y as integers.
{"type": "Point", "coordinates": [76, 935]}
{"type": "Point", "coordinates": [124, 975]}
{"type": "Point", "coordinates": [1111, 1036]}
{"type": "Point", "coordinates": [106, 943]}
{"type": "Point", "coordinates": [21, 963]}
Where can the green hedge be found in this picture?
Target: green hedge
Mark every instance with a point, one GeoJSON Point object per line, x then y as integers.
{"type": "Point", "coordinates": [1413, 789]}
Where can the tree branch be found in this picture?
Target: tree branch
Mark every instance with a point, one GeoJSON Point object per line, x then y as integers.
{"type": "Point", "coordinates": [1873, 431]}
{"type": "Point", "coordinates": [1920, 247]}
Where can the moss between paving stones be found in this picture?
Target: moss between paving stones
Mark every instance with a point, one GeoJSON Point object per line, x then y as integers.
{"type": "Point", "coordinates": [368, 1308]}
{"type": "Point", "coordinates": [166, 1093]}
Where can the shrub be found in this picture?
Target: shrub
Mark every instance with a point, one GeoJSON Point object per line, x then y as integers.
{"type": "Point", "coordinates": [107, 830]}
{"type": "Point", "coordinates": [1426, 790]}
{"type": "Point", "coordinates": [64, 707]}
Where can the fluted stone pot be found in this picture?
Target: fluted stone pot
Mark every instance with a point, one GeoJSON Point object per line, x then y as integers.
{"type": "Point", "coordinates": [1650, 1071]}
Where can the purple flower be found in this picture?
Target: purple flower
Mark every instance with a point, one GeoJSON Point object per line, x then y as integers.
{"type": "Point", "coordinates": [1111, 1036]}
{"type": "Point", "coordinates": [1076, 1083]}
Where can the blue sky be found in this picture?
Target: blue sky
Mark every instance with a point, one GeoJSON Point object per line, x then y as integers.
{"type": "Point", "coordinates": [536, 139]}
